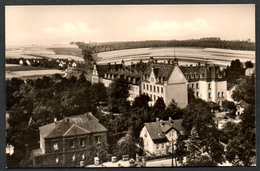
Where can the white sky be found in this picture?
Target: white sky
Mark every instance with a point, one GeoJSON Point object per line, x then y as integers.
{"type": "Point", "coordinates": [63, 24]}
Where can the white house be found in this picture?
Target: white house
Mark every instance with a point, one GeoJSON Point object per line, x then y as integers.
{"type": "Point", "coordinates": [158, 137]}
{"type": "Point", "coordinates": [241, 106]}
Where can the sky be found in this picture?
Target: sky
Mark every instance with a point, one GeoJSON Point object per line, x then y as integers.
{"type": "Point", "coordinates": [27, 25]}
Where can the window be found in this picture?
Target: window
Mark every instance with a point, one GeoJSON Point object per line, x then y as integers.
{"type": "Point", "coordinates": [191, 85]}
{"type": "Point", "coordinates": [144, 86]}
{"type": "Point", "coordinates": [83, 156]}
{"type": "Point", "coordinates": [197, 94]}
{"type": "Point", "coordinates": [152, 79]}
{"type": "Point", "coordinates": [71, 143]}
{"type": "Point", "coordinates": [209, 95]}
{"type": "Point", "coordinates": [218, 94]}
{"type": "Point", "coordinates": [82, 142]}
{"type": "Point", "coordinates": [157, 146]}
{"type": "Point", "coordinates": [97, 139]}
{"type": "Point", "coordinates": [222, 94]}
{"type": "Point", "coordinates": [57, 160]}
{"type": "Point", "coordinates": [154, 97]}
{"type": "Point", "coordinates": [197, 85]}
{"type": "Point", "coordinates": [147, 88]}
{"type": "Point", "coordinates": [157, 89]}
{"type": "Point", "coordinates": [151, 88]}
{"type": "Point", "coordinates": [161, 89]}
{"type": "Point", "coordinates": [154, 88]}
{"type": "Point", "coordinates": [55, 146]}
{"type": "Point", "coordinates": [209, 86]}
{"type": "Point", "coordinates": [162, 146]}
{"type": "Point", "coordinates": [73, 157]}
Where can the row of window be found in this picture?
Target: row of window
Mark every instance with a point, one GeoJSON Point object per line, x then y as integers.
{"type": "Point", "coordinates": [82, 142]}
{"type": "Point", "coordinates": [222, 95]}
{"type": "Point", "coordinates": [160, 146]}
{"type": "Point", "coordinates": [73, 157]}
{"type": "Point", "coordinates": [151, 88]}
{"type": "Point", "coordinates": [153, 97]}
{"type": "Point", "coordinates": [197, 85]}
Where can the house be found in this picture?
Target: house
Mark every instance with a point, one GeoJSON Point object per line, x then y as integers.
{"type": "Point", "coordinates": [159, 137]}
{"type": "Point", "coordinates": [65, 143]}
{"type": "Point", "coordinates": [249, 71]}
{"type": "Point", "coordinates": [241, 106]}
{"type": "Point", "coordinates": [207, 81]}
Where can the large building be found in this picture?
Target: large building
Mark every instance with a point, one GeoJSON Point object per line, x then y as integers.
{"type": "Point", "coordinates": [160, 137]}
{"type": "Point", "coordinates": [66, 143]}
{"type": "Point", "coordinates": [207, 81]}
{"type": "Point", "coordinates": [167, 80]}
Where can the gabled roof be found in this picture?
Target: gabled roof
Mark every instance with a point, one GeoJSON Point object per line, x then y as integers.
{"type": "Point", "coordinates": [154, 129]}
{"type": "Point", "coordinates": [157, 130]}
{"type": "Point", "coordinates": [74, 125]}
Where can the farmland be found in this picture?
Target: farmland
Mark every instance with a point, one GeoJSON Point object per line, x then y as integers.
{"type": "Point", "coordinates": [44, 52]}
{"type": "Point", "coordinates": [185, 55]}
{"type": "Point", "coordinates": [25, 72]}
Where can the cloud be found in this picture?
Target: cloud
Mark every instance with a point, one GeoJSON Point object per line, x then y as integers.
{"type": "Point", "coordinates": [176, 29]}
{"type": "Point", "coordinates": [71, 28]}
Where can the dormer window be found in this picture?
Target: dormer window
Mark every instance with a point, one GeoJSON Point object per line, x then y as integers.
{"type": "Point", "coordinates": [55, 146]}
{"type": "Point", "coordinates": [152, 79]}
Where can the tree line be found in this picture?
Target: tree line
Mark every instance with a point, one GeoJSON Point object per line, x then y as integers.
{"type": "Point", "coordinates": [205, 43]}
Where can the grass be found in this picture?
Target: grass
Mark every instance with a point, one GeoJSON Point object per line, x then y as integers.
{"type": "Point", "coordinates": [67, 51]}
{"type": "Point", "coordinates": [23, 68]}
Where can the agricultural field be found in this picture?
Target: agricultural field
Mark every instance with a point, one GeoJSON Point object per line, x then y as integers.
{"type": "Point", "coordinates": [221, 57]}
{"type": "Point", "coordinates": [44, 52]}
{"type": "Point", "coordinates": [25, 72]}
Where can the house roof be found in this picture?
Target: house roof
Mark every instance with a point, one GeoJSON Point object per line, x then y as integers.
{"type": "Point", "coordinates": [157, 130]}
{"type": "Point", "coordinates": [243, 104]}
{"type": "Point", "coordinates": [74, 125]}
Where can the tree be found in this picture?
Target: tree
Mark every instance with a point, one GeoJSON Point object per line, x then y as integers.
{"type": "Point", "coordinates": [235, 71]}
{"type": "Point", "coordinates": [141, 101]}
{"type": "Point", "coordinates": [118, 94]}
{"type": "Point", "coordinates": [249, 64]}
{"type": "Point", "coordinates": [245, 90]}
{"type": "Point", "coordinates": [158, 109]}
{"type": "Point", "coordinates": [196, 156]}
{"type": "Point", "coordinates": [98, 93]}
{"type": "Point", "coordinates": [173, 110]}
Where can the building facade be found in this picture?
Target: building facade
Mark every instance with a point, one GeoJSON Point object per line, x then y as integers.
{"type": "Point", "coordinates": [207, 81]}
{"type": "Point", "coordinates": [66, 143]}
{"type": "Point", "coordinates": [167, 80]}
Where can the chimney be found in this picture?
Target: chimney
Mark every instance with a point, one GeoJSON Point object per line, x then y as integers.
{"type": "Point", "coordinates": [55, 120]}
{"type": "Point", "coordinates": [67, 120]}
{"type": "Point", "coordinates": [170, 118]}
{"type": "Point", "coordinates": [157, 119]}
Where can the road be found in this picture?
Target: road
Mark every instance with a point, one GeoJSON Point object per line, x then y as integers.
{"type": "Point", "coordinates": [161, 163]}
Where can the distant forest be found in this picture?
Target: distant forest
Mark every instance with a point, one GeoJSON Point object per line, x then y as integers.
{"type": "Point", "coordinates": [203, 42]}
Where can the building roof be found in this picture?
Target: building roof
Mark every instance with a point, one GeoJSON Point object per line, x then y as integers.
{"type": "Point", "coordinates": [157, 130]}
{"type": "Point", "coordinates": [37, 152]}
{"type": "Point", "coordinates": [71, 126]}
{"type": "Point", "coordinates": [243, 104]}
{"type": "Point", "coordinates": [231, 86]}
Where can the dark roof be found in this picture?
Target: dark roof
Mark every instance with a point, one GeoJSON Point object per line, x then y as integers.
{"type": "Point", "coordinates": [154, 129]}
{"type": "Point", "coordinates": [243, 104]}
{"type": "Point", "coordinates": [157, 130]}
{"type": "Point", "coordinates": [74, 125]}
